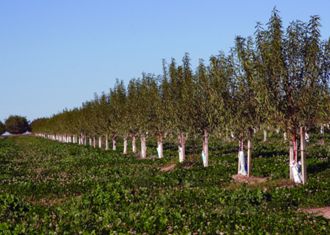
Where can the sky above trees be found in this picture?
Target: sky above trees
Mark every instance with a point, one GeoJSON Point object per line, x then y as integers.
{"type": "Point", "coordinates": [56, 54]}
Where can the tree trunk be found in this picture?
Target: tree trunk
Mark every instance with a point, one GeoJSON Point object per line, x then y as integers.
{"type": "Point", "coordinates": [125, 145]}
{"type": "Point", "coordinates": [114, 146]}
{"type": "Point", "coordinates": [302, 155]}
{"type": "Point", "coordinates": [160, 146]}
{"type": "Point", "coordinates": [182, 147]}
{"type": "Point", "coordinates": [291, 158]}
{"type": "Point", "coordinates": [94, 142]}
{"type": "Point", "coordinates": [249, 154]}
{"type": "Point", "coordinates": [143, 146]}
{"type": "Point", "coordinates": [265, 135]}
{"type": "Point", "coordinates": [90, 141]}
{"type": "Point", "coordinates": [205, 153]}
{"type": "Point", "coordinates": [100, 142]}
{"type": "Point", "coordinates": [294, 143]}
{"type": "Point", "coordinates": [133, 144]}
{"type": "Point", "coordinates": [285, 137]}
{"type": "Point", "coordinates": [106, 142]}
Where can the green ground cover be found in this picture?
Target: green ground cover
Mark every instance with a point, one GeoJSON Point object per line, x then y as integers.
{"type": "Point", "coordinates": [50, 187]}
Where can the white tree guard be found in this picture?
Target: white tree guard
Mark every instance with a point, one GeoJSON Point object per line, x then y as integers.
{"type": "Point", "coordinates": [242, 163]}
{"type": "Point", "coordinates": [296, 172]}
{"type": "Point", "coordinates": [181, 159]}
{"type": "Point", "coordinates": [204, 159]}
{"type": "Point", "coordinates": [160, 150]}
{"type": "Point", "coordinates": [125, 146]}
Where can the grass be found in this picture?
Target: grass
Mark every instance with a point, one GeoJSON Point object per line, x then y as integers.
{"type": "Point", "coordinates": [50, 187]}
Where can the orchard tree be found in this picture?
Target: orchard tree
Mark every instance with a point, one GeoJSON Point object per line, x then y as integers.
{"type": "Point", "coordinates": [2, 128]}
{"type": "Point", "coordinates": [16, 124]}
{"type": "Point", "coordinates": [294, 83]}
{"type": "Point", "coordinates": [181, 83]}
{"type": "Point", "coordinates": [204, 105]}
{"type": "Point", "coordinates": [118, 114]}
{"type": "Point", "coordinates": [164, 107]}
{"type": "Point", "coordinates": [132, 108]}
{"type": "Point", "coordinates": [246, 115]}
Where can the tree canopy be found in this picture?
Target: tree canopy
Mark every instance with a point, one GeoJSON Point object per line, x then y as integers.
{"type": "Point", "coordinates": [16, 124]}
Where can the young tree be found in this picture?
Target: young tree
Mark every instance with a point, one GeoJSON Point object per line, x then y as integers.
{"type": "Point", "coordinates": [119, 114]}
{"type": "Point", "coordinates": [293, 78]}
{"type": "Point", "coordinates": [246, 116]}
{"type": "Point", "coordinates": [132, 109]}
{"type": "Point", "coordinates": [181, 83]}
{"type": "Point", "coordinates": [205, 107]}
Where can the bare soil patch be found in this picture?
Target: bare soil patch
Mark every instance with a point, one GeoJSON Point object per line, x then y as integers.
{"type": "Point", "coordinates": [168, 167]}
{"type": "Point", "coordinates": [283, 183]}
{"type": "Point", "coordinates": [249, 179]}
{"type": "Point", "coordinates": [321, 211]}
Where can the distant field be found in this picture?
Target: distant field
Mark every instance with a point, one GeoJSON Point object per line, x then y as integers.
{"type": "Point", "coordinates": [50, 187]}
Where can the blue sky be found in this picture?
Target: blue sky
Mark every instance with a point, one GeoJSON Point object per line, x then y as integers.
{"type": "Point", "coordinates": [56, 54]}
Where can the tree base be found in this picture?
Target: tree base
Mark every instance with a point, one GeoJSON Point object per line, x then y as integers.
{"type": "Point", "coordinates": [249, 179]}
{"type": "Point", "coordinates": [321, 211]}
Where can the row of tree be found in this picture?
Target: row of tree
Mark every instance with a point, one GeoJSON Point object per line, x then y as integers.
{"type": "Point", "coordinates": [278, 79]}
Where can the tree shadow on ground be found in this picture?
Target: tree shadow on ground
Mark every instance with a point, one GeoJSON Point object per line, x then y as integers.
{"type": "Point", "coordinates": [318, 167]}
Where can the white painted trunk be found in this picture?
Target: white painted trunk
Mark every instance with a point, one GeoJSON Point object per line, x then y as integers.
{"type": "Point", "coordinates": [160, 147]}
{"type": "Point", "coordinates": [133, 144]}
{"type": "Point", "coordinates": [94, 142]}
{"type": "Point", "coordinates": [182, 147]}
{"type": "Point", "coordinates": [125, 146]}
{"type": "Point", "coordinates": [90, 141]}
{"type": "Point", "coordinates": [114, 144]}
{"type": "Point", "coordinates": [100, 142]}
{"type": "Point", "coordinates": [291, 159]}
{"type": "Point", "coordinates": [143, 146]}
{"type": "Point", "coordinates": [205, 152]}
{"type": "Point", "coordinates": [232, 135]}
{"type": "Point", "coordinates": [241, 159]}
{"type": "Point", "coordinates": [265, 135]}
{"type": "Point", "coordinates": [285, 136]}
{"type": "Point", "coordinates": [106, 142]}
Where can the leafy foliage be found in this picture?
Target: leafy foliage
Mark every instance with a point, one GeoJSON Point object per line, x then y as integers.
{"type": "Point", "coordinates": [2, 128]}
{"type": "Point", "coordinates": [16, 124]}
